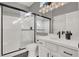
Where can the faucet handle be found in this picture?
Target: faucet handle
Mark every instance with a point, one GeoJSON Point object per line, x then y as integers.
{"type": "Point", "coordinates": [63, 32]}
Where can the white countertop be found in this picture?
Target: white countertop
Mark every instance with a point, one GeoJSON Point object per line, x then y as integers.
{"type": "Point", "coordinates": [73, 44]}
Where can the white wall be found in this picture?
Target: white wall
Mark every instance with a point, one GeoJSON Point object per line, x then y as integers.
{"type": "Point", "coordinates": [69, 22]}
{"type": "Point", "coordinates": [72, 23]}
{"type": "Point", "coordinates": [59, 23]}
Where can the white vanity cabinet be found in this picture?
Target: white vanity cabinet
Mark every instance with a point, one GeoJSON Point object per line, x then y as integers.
{"type": "Point", "coordinates": [53, 49]}
{"type": "Point", "coordinates": [42, 49]}
{"type": "Point", "coordinates": [47, 49]}
{"type": "Point", "coordinates": [67, 52]}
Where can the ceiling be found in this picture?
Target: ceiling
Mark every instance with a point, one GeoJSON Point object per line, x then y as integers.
{"type": "Point", "coordinates": [28, 4]}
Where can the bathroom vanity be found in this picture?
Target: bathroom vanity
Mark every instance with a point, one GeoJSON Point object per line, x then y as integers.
{"type": "Point", "coordinates": [54, 45]}
{"type": "Point", "coordinates": [58, 47]}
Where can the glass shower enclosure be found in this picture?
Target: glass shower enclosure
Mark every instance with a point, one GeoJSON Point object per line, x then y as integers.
{"type": "Point", "coordinates": [19, 28]}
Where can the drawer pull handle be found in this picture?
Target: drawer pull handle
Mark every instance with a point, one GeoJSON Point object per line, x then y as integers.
{"type": "Point", "coordinates": [67, 53]}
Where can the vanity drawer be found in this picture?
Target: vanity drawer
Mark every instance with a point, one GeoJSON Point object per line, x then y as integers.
{"type": "Point", "coordinates": [52, 47]}
{"type": "Point", "coordinates": [67, 52]}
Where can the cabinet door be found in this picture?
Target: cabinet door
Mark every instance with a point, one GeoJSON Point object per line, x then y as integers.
{"type": "Point", "coordinates": [72, 23]}
{"type": "Point", "coordinates": [43, 51]}
{"type": "Point", "coordinates": [59, 23]}
{"type": "Point", "coordinates": [52, 47]}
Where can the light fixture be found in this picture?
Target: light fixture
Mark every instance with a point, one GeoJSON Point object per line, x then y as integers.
{"type": "Point", "coordinates": [48, 6]}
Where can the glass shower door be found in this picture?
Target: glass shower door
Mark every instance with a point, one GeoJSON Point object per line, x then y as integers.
{"type": "Point", "coordinates": [18, 29]}
{"type": "Point", "coordinates": [11, 30]}
{"type": "Point", "coordinates": [27, 28]}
